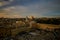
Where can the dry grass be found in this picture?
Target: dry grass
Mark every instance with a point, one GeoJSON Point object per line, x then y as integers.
{"type": "Point", "coordinates": [48, 26]}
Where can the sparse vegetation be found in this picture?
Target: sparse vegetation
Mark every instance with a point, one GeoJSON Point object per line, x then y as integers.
{"type": "Point", "coordinates": [55, 21]}
{"type": "Point", "coordinates": [20, 29]}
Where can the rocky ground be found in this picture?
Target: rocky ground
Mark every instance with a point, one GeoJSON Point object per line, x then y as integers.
{"type": "Point", "coordinates": [36, 34]}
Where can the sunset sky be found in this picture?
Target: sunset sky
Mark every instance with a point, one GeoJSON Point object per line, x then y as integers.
{"type": "Point", "coordinates": [38, 8]}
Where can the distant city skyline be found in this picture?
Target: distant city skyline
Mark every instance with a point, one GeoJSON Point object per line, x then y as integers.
{"type": "Point", "coordinates": [37, 8]}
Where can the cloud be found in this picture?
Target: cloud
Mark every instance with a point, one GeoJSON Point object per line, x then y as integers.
{"type": "Point", "coordinates": [5, 2]}
{"type": "Point", "coordinates": [36, 8]}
